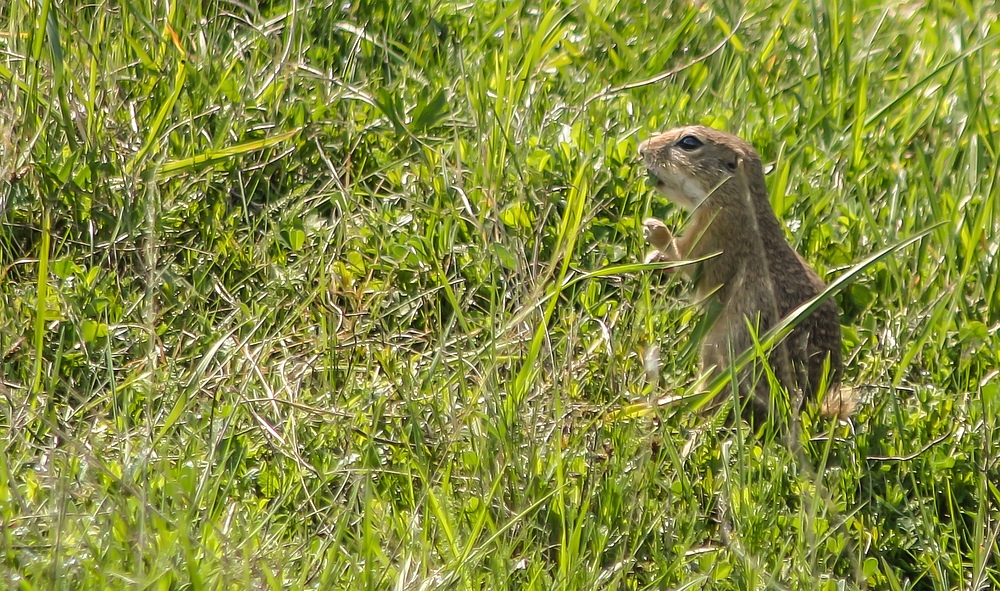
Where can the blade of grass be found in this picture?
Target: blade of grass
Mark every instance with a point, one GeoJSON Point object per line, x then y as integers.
{"type": "Point", "coordinates": [569, 230]}
{"type": "Point", "coordinates": [41, 302]}
{"type": "Point", "coordinates": [193, 163]}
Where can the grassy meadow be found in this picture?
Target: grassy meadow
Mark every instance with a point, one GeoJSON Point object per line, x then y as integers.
{"type": "Point", "coordinates": [306, 295]}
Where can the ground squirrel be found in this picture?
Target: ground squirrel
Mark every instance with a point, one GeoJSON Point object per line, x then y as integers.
{"type": "Point", "coordinates": [755, 276]}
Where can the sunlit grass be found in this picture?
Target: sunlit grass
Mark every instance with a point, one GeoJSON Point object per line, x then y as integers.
{"type": "Point", "coordinates": [300, 295]}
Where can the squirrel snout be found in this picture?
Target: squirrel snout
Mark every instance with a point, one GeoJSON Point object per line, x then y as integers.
{"type": "Point", "coordinates": [643, 148]}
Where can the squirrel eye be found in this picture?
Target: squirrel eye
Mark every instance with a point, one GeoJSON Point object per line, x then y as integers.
{"type": "Point", "coordinates": [689, 143]}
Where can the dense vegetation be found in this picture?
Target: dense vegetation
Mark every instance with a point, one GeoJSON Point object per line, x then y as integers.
{"type": "Point", "coordinates": [345, 295]}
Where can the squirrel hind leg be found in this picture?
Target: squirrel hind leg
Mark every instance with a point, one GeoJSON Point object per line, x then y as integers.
{"type": "Point", "coordinates": [839, 403]}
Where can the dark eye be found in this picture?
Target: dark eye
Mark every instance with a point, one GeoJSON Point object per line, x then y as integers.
{"type": "Point", "coordinates": [689, 143]}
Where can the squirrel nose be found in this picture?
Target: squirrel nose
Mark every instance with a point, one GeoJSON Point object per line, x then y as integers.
{"type": "Point", "coordinates": [643, 147]}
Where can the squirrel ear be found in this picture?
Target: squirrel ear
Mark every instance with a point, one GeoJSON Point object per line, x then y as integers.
{"type": "Point", "coordinates": [733, 162]}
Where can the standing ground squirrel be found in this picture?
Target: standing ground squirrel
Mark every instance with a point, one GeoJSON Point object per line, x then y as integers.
{"type": "Point", "coordinates": [756, 277]}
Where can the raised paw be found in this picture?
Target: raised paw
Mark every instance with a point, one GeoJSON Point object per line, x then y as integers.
{"type": "Point", "coordinates": [656, 234]}
{"type": "Point", "coordinates": [659, 237]}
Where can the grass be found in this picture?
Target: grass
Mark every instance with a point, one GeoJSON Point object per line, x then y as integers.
{"type": "Point", "coordinates": [306, 295]}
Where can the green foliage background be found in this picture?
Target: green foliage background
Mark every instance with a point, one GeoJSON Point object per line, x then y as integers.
{"type": "Point", "coordinates": [303, 295]}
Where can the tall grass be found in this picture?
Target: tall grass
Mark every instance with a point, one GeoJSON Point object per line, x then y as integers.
{"type": "Point", "coordinates": [307, 295]}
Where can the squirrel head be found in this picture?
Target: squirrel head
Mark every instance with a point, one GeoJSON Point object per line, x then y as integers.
{"type": "Point", "coordinates": [689, 164]}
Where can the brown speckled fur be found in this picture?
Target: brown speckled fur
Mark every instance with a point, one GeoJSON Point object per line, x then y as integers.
{"type": "Point", "coordinates": [756, 275]}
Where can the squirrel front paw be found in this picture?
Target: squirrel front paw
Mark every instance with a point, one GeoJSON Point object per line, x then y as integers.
{"type": "Point", "coordinates": [656, 234]}
{"type": "Point", "coordinates": [655, 256]}
{"type": "Point", "coordinates": [659, 237]}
